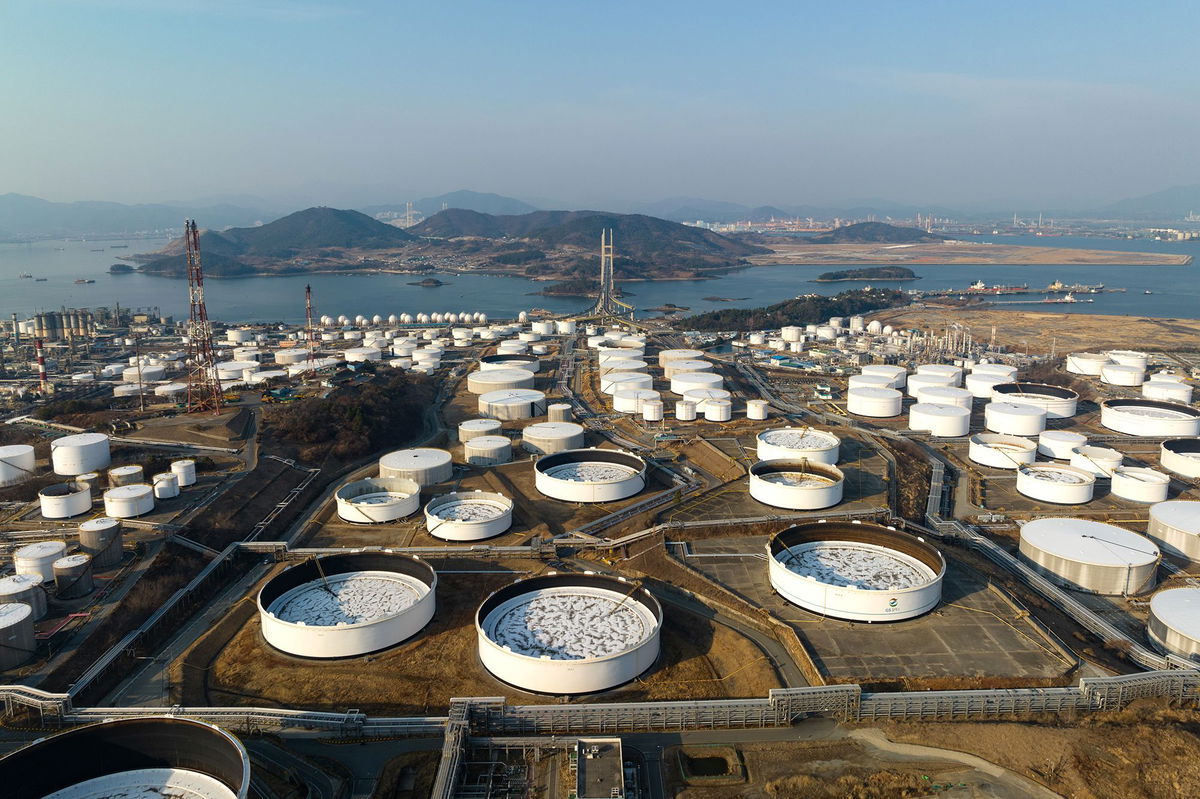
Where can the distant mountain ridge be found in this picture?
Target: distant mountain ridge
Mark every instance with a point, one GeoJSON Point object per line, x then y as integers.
{"type": "Point", "coordinates": [1169, 204]}
{"type": "Point", "coordinates": [874, 233]}
{"type": "Point", "coordinates": [22, 216]}
{"type": "Point", "coordinates": [481, 202]}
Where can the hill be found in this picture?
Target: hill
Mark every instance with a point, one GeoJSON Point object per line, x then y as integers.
{"type": "Point", "coordinates": [1169, 204]}
{"type": "Point", "coordinates": [465, 200]}
{"type": "Point", "coordinates": [873, 233]}
{"type": "Point", "coordinates": [215, 265]}
{"type": "Point", "coordinates": [868, 273]}
{"type": "Point", "coordinates": [798, 311]}
{"type": "Point", "coordinates": [315, 229]}
{"type": "Point", "coordinates": [22, 216]}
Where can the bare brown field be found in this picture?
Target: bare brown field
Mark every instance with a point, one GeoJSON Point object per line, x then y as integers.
{"type": "Point", "coordinates": [1042, 331]}
{"type": "Point", "coordinates": [791, 252]}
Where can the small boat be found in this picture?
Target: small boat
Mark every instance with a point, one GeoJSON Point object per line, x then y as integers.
{"type": "Point", "coordinates": [39, 280]}
{"type": "Point", "coordinates": [1147, 291]}
{"type": "Point", "coordinates": [118, 246]}
{"type": "Point", "coordinates": [24, 276]}
{"type": "Point", "coordinates": [101, 249]}
{"type": "Point", "coordinates": [82, 281]}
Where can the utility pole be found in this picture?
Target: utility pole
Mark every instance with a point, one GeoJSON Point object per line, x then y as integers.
{"type": "Point", "coordinates": [204, 389]}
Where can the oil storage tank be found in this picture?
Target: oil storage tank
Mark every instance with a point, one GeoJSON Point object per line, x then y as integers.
{"type": "Point", "coordinates": [468, 515]}
{"type": "Point", "coordinates": [126, 475]}
{"type": "Point", "coordinates": [101, 538]}
{"type": "Point", "coordinates": [347, 605]}
{"type": "Point", "coordinates": [590, 475]}
{"type": "Point", "coordinates": [856, 570]}
{"type": "Point", "coordinates": [1140, 484]}
{"type": "Point", "coordinates": [423, 465]}
{"type": "Point", "coordinates": [73, 576]}
{"type": "Point", "coordinates": [1174, 623]}
{"type": "Point", "coordinates": [1001, 451]}
{"type": "Point", "coordinates": [522, 403]}
{"type": "Point", "coordinates": [897, 375]}
{"type": "Point", "coordinates": [37, 559]}
{"type": "Point", "coordinates": [1090, 556]}
{"type": "Point", "coordinates": [153, 756]}
{"type": "Point", "coordinates": [17, 464]}
{"type": "Point", "coordinates": [377, 500]}
{"type": "Point", "coordinates": [79, 453]}
{"type": "Point", "coordinates": [569, 633]}
{"type": "Point", "coordinates": [874, 402]}
{"type": "Point", "coordinates": [817, 446]}
{"type": "Point", "coordinates": [471, 428]}
{"type": "Point", "coordinates": [796, 484]}
{"type": "Point", "coordinates": [499, 380]}
{"type": "Point", "coordinates": [1167, 391]}
{"type": "Point", "coordinates": [1181, 456]}
{"type": "Point", "coordinates": [1059, 444]}
{"type": "Point", "coordinates": [24, 589]}
{"type": "Point", "coordinates": [64, 500]}
{"type": "Point", "coordinates": [18, 643]}
{"type": "Point", "coordinates": [184, 471]}
{"type": "Point", "coordinates": [127, 502]}
{"type": "Point", "coordinates": [546, 438]}
{"type": "Point", "coordinates": [1057, 401]}
{"type": "Point", "coordinates": [488, 450]}
{"type": "Point", "coordinates": [1016, 419]}
{"type": "Point", "coordinates": [1144, 417]}
{"type": "Point", "coordinates": [1060, 484]}
{"type": "Point", "coordinates": [942, 421]}
{"type": "Point", "coordinates": [1175, 526]}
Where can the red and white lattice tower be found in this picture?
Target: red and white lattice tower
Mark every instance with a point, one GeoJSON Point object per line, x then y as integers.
{"type": "Point", "coordinates": [310, 332]}
{"type": "Point", "coordinates": [204, 389]}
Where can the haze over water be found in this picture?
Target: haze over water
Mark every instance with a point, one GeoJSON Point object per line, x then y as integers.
{"type": "Point", "coordinates": [1176, 290]}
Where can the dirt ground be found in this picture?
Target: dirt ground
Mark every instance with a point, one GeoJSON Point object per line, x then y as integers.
{"type": "Point", "coordinates": [1064, 332]}
{"type": "Point", "coordinates": [1145, 752]}
{"type": "Point", "coordinates": [787, 252]}
{"type": "Point", "coordinates": [700, 660]}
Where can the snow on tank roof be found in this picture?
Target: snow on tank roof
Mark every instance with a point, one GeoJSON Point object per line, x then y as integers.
{"type": "Point", "coordinates": [40, 549]}
{"type": "Point", "coordinates": [13, 612]}
{"type": "Point", "coordinates": [1086, 541]}
{"type": "Point", "coordinates": [801, 438]}
{"type": "Point", "coordinates": [867, 567]}
{"type": "Point", "coordinates": [129, 491]}
{"type": "Point", "coordinates": [71, 561]}
{"type": "Point", "coordinates": [467, 508]}
{"type": "Point", "coordinates": [1179, 514]}
{"type": "Point", "coordinates": [569, 623]}
{"type": "Point", "coordinates": [16, 583]}
{"type": "Point", "coordinates": [561, 429]}
{"type": "Point", "coordinates": [591, 472]}
{"type": "Point", "coordinates": [79, 440]}
{"type": "Point", "coordinates": [1150, 412]}
{"type": "Point", "coordinates": [418, 457]}
{"type": "Point", "coordinates": [147, 783]}
{"type": "Point", "coordinates": [1016, 409]}
{"type": "Point", "coordinates": [349, 598]}
{"type": "Point", "coordinates": [1179, 609]}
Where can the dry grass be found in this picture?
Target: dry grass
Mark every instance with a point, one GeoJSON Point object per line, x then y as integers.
{"type": "Point", "coordinates": [699, 661]}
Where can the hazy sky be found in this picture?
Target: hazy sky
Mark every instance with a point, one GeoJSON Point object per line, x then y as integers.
{"type": "Point", "coordinates": [599, 103]}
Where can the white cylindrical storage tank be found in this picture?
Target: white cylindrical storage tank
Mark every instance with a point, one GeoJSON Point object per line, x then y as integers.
{"type": "Point", "coordinates": [544, 327]}
{"type": "Point", "coordinates": [943, 421]}
{"type": "Point", "coordinates": [569, 633]}
{"type": "Point", "coordinates": [666, 356]}
{"type": "Point", "coordinates": [499, 380]}
{"type": "Point", "coordinates": [425, 466]}
{"type": "Point", "coordinates": [757, 409]}
{"type": "Point", "coordinates": [945, 395]}
{"type": "Point", "coordinates": [377, 500]}
{"type": "Point", "coordinates": [796, 484]}
{"type": "Point", "coordinates": [528, 336]}
{"type": "Point", "coordinates": [347, 605]}
{"type": "Point", "coordinates": [898, 375]}
{"type": "Point", "coordinates": [622, 365]}
{"type": "Point", "coordinates": [652, 411]}
{"type": "Point", "coordinates": [1090, 556]}
{"type": "Point", "coordinates": [18, 641]}
{"type": "Point", "coordinates": [875, 402]}
{"type": "Point", "coordinates": [757, 339]}
{"type": "Point", "coordinates": [677, 366]}
{"type": "Point", "coordinates": [1145, 417]}
{"type": "Point", "coordinates": [1086, 363]}
{"type": "Point", "coordinates": [520, 403]}
{"type": "Point", "coordinates": [995, 369]}
{"type": "Point", "coordinates": [791, 333]}
{"type": "Point", "coordinates": [917, 382]}
{"type": "Point", "coordinates": [146, 374]}
{"type": "Point", "coordinates": [1181, 456]}
{"type": "Point", "coordinates": [128, 501]}
{"type": "Point", "coordinates": [487, 450]}
{"type": "Point", "coordinates": [942, 370]}
{"type": "Point", "coordinates": [685, 411]}
{"type": "Point", "coordinates": [473, 428]}
{"type": "Point", "coordinates": [175, 389]}
{"type": "Point", "coordinates": [826, 333]}
{"type": "Point", "coordinates": [80, 453]}
{"type": "Point", "coordinates": [468, 515]}
{"type": "Point", "coordinates": [564, 327]}
{"type": "Point", "coordinates": [1167, 390]}
{"type": "Point", "coordinates": [126, 475]}
{"type": "Point", "coordinates": [101, 538]}
{"type": "Point", "coordinates": [590, 475]}
{"type": "Point", "coordinates": [73, 576]}
{"type": "Point", "coordinates": [508, 362]}
{"type": "Point", "coordinates": [718, 410]}
{"type": "Point", "coordinates": [89, 479]}
{"type": "Point", "coordinates": [64, 500]}
{"type": "Point", "coordinates": [868, 381]}
{"type": "Point", "coordinates": [239, 335]}
{"type": "Point", "coordinates": [1001, 451]}
{"type": "Point", "coordinates": [1174, 623]}
{"type": "Point", "coordinates": [37, 559]}
{"type": "Point", "coordinates": [703, 396]}
{"type": "Point", "coordinates": [1060, 444]}
{"type": "Point", "coordinates": [1117, 374]}
{"type": "Point", "coordinates": [17, 463]}
{"type": "Point", "coordinates": [184, 471]}
{"type": "Point", "coordinates": [1062, 485]}
{"type": "Point", "coordinates": [1014, 418]}
{"type": "Point", "coordinates": [233, 370]}
{"type": "Point", "coordinates": [1139, 484]}
{"type": "Point", "coordinates": [24, 589]}
{"type": "Point", "coordinates": [855, 570]}
{"type": "Point", "coordinates": [1100, 461]}
{"type": "Point", "coordinates": [1175, 526]}
{"type": "Point", "coordinates": [131, 390]}
{"type": "Point", "coordinates": [559, 412]}
{"type": "Point", "coordinates": [546, 438]}
{"type": "Point", "coordinates": [361, 354]}
{"type": "Point", "coordinates": [613, 382]}
{"type": "Point", "coordinates": [166, 485]}
{"type": "Point", "coordinates": [683, 382]}
{"type": "Point", "coordinates": [1129, 358]}
{"type": "Point", "coordinates": [630, 400]}
{"type": "Point", "coordinates": [1058, 402]}
{"type": "Point", "coordinates": [981, 385]}
{"type": "Point", "coordinates": [796, 443]}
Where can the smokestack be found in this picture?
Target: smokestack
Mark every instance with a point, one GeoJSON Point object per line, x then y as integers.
{"type": "Point", "coordinates": [16, 333]}
{"type": "Point", "coordinates": [43, 383]}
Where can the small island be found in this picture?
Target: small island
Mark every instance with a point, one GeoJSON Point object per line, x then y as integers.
{"type": "Point", "coordinates": [120, 269]}
{"type": "Point", "coordinates": [429, 283]}
{"type": "Point", "coordinates": [875, 273]}
{"type": "Point", "coordinates": [724, 299]}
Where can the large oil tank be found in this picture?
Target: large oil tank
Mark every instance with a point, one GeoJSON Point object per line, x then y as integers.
{"type": "Point", "coordinates": [73, 576]}
{"type": "Point", "coordinates": [101, 538]}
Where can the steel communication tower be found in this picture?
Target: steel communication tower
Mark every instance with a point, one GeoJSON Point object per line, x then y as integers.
{"type": "Point", "coordinates": [310, 333]}
{"type": "Point", "coordinates": [606, 302]}
{"type": "Point", "coordinates": [204, 389]}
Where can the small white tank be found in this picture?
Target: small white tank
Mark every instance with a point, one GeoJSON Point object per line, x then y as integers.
{"type": "Point", "coordinates": [1118, 374]}
{"type": "Point", "coordinates": [1100, 461]}
{"type": "Point", "coordinates": [126, 475]}
{"type": "Point", "coordinates": [1060, 444]}
{"type": "Point", "coordinates": [101, 538]}
{"type": "Point", "coordinates": [487, 450]}
{"type": "Point", "coordinates": [685, 411]}
{"type": "Point", "coordinates": [127, 502]}
{"type": "Point", "coordinates": [184, 471]}
{"type": "Point", "coordinates": [474, 428]}
{"type": "Point", "coordinates": [17, 464]}
{"type": "Point", "coordinates": [559, 412]}
{"type": "Point", "coordinates": [718, 410]}
{"type": "Point", "coordinates": [1014, 418]}
{"type": "Point", "coordinates": [874, 402]}
{"type": "Point", "coordinates": [1139, 484]}
{"type": "Point", "coordinates": [757, 409]}
{"type": "Point", "coordinates": [166, 485]}
{"type": "Point", "coordinates": [73, 576]}
{"type": "Point", "coordinates": [652, 410]}
{"type": "Point", "coordinates": [37, 559]}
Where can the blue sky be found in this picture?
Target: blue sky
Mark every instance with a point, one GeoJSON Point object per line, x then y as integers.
{"type": "Point", "coordinates": [599, 103]}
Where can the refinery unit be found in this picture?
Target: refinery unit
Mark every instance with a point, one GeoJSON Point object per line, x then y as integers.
{"type": "Point", "coordinates": [528, 545]}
